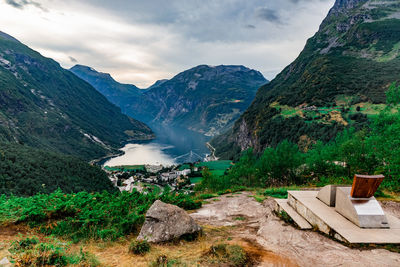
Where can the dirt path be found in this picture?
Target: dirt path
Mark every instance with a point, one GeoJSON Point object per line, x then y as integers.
{"type": "Point", "coordinates": [284, 245]}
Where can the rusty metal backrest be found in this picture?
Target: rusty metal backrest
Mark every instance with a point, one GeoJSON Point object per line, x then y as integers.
{"type": "Point", "coordinates": [365, 186]}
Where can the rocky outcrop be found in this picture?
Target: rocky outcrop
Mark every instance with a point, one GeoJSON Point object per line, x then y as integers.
{"type": "Point", "coordinates": [165, 222]}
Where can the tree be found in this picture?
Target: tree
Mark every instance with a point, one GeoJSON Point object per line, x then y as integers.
{"type": "Point", "coordinates": [393, 94]}
{"type": "Point", "coordinates": [280, 164]}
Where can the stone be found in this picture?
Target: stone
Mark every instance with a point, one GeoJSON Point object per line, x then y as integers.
{"type": "Point", "coordinates": [364, 212]}
{"type": "Point", "coordinates": [165, 222]}
{"type": "Point", "coordinates": [327, 194]}
{"type": "Point", "coordinates": [5, 262]}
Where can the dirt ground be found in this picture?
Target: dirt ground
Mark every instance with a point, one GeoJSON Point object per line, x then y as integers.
{"type": "Point", "coordinates": [288, 245]}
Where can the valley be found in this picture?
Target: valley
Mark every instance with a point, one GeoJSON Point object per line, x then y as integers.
{"type": "Point", "coordinates": [201, 167]}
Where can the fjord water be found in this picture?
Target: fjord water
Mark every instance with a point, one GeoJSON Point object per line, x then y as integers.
{"type": "Point", "coordinates": [171, 146]}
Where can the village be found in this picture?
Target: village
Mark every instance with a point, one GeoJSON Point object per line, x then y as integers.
{"type": "Point", "coordinates": [140, 177]}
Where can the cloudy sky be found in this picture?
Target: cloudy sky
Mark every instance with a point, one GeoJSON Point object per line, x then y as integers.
{"type": "Point", "coordinates": [141, 41]}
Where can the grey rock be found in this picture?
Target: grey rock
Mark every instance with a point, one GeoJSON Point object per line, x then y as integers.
{"type": "Point", "coordinates": [165, 222]}
{"type": "Point", "coordinates": [5, 262]}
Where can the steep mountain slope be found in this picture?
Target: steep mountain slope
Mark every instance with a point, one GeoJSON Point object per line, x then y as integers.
{"type": "Point", "coordinates": [43, 105]}
{"type": "Point", "coordinates": [117, 93]}
{"type": "Point", "coordinates": [27, 171]}
{"type": "Point", "coordinates": [338, 79]}
{"type": "Point", "coordinates": [204, 99]}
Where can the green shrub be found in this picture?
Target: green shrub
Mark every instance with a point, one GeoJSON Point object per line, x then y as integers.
{"type": "Point", "coordinates": [84, 215]}
{"type": "Point", "coordinates": [232, 255]}
{"type": "Point", "coordinates": [30, 252]}
{"type": "Point", "coordinates": [139, 247]}
{"type": "Point", "coordinates": [280, 192]}
{"type": "Point", "coordinates": [164, 261]}
{"type": "Point", "coordinates": [24, 244]}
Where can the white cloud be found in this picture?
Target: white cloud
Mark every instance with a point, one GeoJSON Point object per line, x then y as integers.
{"type": "Point", "coordinates": [141, 41]}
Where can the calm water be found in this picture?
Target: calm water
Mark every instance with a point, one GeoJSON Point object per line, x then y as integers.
{"type": "Point", "coordinates": [172, 146]}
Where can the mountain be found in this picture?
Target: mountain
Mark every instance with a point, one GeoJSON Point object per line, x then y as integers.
{"type": "Point", "coordinates": [117, 93]}
{"type": "Point", "coordinates": [157, 83]}
{"type": "Point", "coordinates": [339, 79]}
{"type": "Point", "coordinates": [45, 106]}
{"type": "Point", "coordinates": [26, 171]}
{"type": "Point", "coordinates": [204, 99]}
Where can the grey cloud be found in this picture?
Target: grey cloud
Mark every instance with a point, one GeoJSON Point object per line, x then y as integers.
{"type": "Point", "coordinates": [268, 15]}
{"type": "Point", "coordinates": [22, 3]}
{"type": "Point", "coordinates": [250, 26]}
{"type": "Point", "coordinates": [176, 34]}
{"type": "Point", "coordinates": [205, 20]}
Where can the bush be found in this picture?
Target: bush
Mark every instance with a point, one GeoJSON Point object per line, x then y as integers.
{"type": "Point", "coordinates": [86, 215]}
{"type": "Point", "coordinates": [231, 255]}
{"type": "Point", "coordinates": [139, 247]}
{"type": "Point", "coordinates": [31, 252]}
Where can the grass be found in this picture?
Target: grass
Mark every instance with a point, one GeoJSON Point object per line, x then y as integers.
{"type": "Point", "coordinates": [180, 253]}
{"type": "Point", "coordinates": [226, 254]}
{"type": "Point", "coordinates": [139, 247]}
{"type": "Point", "coordinates": [30, 251]}
{"type": "Point", "coordinates": [218, 173]}
{"type": "Point", "coordinates": [279, 192]}
{"type": "Point", "coordinates": [196, 180]}
{"type": "Point", "coordinates": [216, 165]}
{"type": "Point", "coordinates": [184, 167]}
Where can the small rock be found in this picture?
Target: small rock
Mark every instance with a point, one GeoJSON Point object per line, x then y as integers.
{"type": "Point", "coordinates": [5, 262]}
{"type": "Point", "coordinates": [165, 222]}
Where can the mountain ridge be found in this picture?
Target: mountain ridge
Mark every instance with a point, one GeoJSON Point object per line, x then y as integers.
{"type": "Point", "coordinates": [205, 99]}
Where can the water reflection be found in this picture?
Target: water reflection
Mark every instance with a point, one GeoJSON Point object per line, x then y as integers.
{"type": "Point", "coordinates": [172, 146]}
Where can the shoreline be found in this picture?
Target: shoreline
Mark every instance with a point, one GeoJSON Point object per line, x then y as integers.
{"type": "Point", "coordinates": [102, 160]}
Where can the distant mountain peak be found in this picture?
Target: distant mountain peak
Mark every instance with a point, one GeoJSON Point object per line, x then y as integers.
{"type": "Point", "coordinates": [8, 37]}
{"type": "Point", "coordinates": [78, 66]}
{"type": "Point", "coordinates": [157, 83]}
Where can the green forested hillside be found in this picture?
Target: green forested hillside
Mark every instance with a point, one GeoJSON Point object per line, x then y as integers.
{"type": "Point", "coordinates": [122, 95]}
{"type": "Point", "coordinates": [27, 171]}
{"type": "Point", "coordinates": [42, 105]}
{"type": "Point", "coordinates": [338, 80]}
{"type": "Point", "coordinates": [373, 150]}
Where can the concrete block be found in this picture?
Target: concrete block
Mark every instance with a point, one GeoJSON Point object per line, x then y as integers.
{"type": "Point", "coordinates": [364, 212]}
{"type": "Point", "coordinates": [327, 194]}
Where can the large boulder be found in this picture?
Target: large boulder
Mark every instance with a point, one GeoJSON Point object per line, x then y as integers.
{"type": "Point", "coordinates": [165, 222]}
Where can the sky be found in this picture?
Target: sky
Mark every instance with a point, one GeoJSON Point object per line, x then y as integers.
{"type": "Point", "coordinates": [139, 41]}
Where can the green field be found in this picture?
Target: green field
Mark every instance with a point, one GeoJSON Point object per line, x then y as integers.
{"type": "Point", "coordinates": [184, 167]}
{"type": "Point", "coordinates": [126, 168]}
{"type": "Point", "coordinates": [196, 180]}
{"type": "Point", "coordinates": [217, 168]}
{"type": "Point", "coordinates": [216, 165]}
